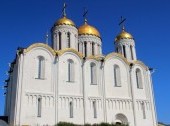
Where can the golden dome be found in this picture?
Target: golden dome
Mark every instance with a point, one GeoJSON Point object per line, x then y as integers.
{"type": "Point", "coordinates": [88, 30]}
{"type": "Point", "coordinates": [124, 35]}
{"type": "Point", "coordinates": [65, 21]}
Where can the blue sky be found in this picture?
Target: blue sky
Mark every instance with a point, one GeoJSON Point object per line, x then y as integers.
{"type": "Point", "coordinates": [24, 22]}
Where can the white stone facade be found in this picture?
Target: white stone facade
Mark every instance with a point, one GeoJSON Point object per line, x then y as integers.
{"type": "Point", "coordinates": [65, 85]}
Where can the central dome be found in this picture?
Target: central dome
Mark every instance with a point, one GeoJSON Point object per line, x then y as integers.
{"type": "Point", "coordinates": [65, 21]}
{"type": "Point", "coordinates": [88, 30]}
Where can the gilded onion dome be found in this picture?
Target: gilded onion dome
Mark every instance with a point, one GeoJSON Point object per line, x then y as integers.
{"type": "Point", "coordinates": [64, 21]}
{"type": "Point", "coordinates": [87, 29]}
{"type": "Point", "coordinates": [123, 35]}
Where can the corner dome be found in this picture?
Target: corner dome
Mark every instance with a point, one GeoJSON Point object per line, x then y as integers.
{"type": "Point", "coordinates": [123, 35]}
{"type": "Point", "coordinates": [64, 21]}
{"type": "Point", "coordinates": [88, 30]}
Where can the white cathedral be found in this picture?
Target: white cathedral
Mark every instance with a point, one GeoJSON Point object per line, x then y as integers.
{"type": "Point", "coordinates": [72, 81]}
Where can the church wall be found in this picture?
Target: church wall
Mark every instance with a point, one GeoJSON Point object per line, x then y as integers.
{"type": "Point", "coordinates": [32, 83]}
{"type": "Point", "coordinates": [64, 109]}
{"type": "Point", "coordinates": [140, 93]}
{"type": "Point", "coordinates": [122, 91]}
{"type": "Point", "coordinates": [30, 109]}
{"type": "Point", "coordinates": [69, 87]}
{"type": "Point", "coordinates": [118, 98]}
{"type": "Point", "coordinates": [12, 94]}
{"type": "Point", "coordinates": [141, 121]}
{"type": "Point", "coordinates": [70, 91]}
{"type": "Point", "coordinates": [93, 93]}
{"type": "Point", "coordinates": [111, 116]}
{"type": "Point", "coordinates": [93, 90]}
{"type": "Point", "coordinates": [34, 88]}
{"type": "Point", "coordinates": [142, 96]}
{"type": "Point", "coordinates": [90, 118]}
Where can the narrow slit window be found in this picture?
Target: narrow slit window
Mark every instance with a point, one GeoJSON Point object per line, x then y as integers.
{"type": "Point", "coordinates": [68, 40]}
{"type": "Point", "coordinates": [139, 79]}
{"type": "Point", "coordinates": [85, 49]}
{"type": "Point", "coordinates": [94, 109]}
{"type": "Point", "coordinates": [71, 109]}
{"type": "Point", "coordinates": [93, 73]}
{"type": "Point", "coordinates": [39, 107]}
{"type": "Point", "coordinates": [70, 70]}
{"type": "Point", "coordinates": [117, 78]}
{"type": "Point", "coordinates": [92, 48]}
{"type": "Point", "coordinates": [59, 40]}
{"type": "Point", "coordinates": [124, 51]}
{"type": "Point", "coordinates": [41, 68]}
{"type": "Point", "coordinates": [143, 110]}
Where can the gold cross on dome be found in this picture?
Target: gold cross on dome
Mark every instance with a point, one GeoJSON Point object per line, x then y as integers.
{"type": "Point", "coordinates": [85, 15]}
{"type": "Point", "coordinates": [64, 10]}
{"type": "Point", "coordinates": [122, 21]}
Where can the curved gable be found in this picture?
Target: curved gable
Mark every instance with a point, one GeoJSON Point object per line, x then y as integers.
{"type": "Point", "coordinates": [119, 56]}
{"type": "Point", "coordinates": [61, 52]}
{"type": "Point", "coordinates": [96, 57]}
{"type": "Point", "coordinates": [140, 63]}
{"type": "Point", "coordinates": [40, 45]}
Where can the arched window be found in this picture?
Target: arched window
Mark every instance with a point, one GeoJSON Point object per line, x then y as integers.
{"type": "Point", "coordinates": [39, 107]}
{"type": "Point", "coordinates": [68, 40]}
{"type": "Point", "coordinates": [71, 109]}
{"type": "Point", "coordinates": [124, 51]}
{"type": "Point", "coordinates": [131, 50]}
{"type": "Point", "coordinates": [70, 70]}
{"type": "Point", "coordinates": [59, 34]}
{"type": "Point", "coordinates": [92, 48]}
{"type": "Point", "coordinates": [78, 47]}
{"type": "Point", "coordinates": [139, 78]}
{"type": "Point", "coordinates": [94, 109]}
{"type": "Point", "coordinates": [117, 78]}
{"type": "Point", "coordinates": [93, 71]}
{"type": "Point", "coordinates": [41, 67]}
{"type": "Point", "coordinates": [85, 49]}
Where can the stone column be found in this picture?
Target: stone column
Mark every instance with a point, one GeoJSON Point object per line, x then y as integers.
{"type": "Point", "coordinates": [80, 47]}
{"type": "Point", "coordinates": [96, 50]}
{"type": "Point", "coordinates": [72, 41]}
{"type": "Point", "coordinates": [56, 41]}
{"type": "Point", "coordinates": [127, 49]}
{"type": "Point", "coordinates": [63, 40]}
{"type": "Point", "coordinates": [134, 53]}
{"type": "Point", "coordinates": [88, 46]}
{"type": "Point", "coordinates": [83, 48]}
